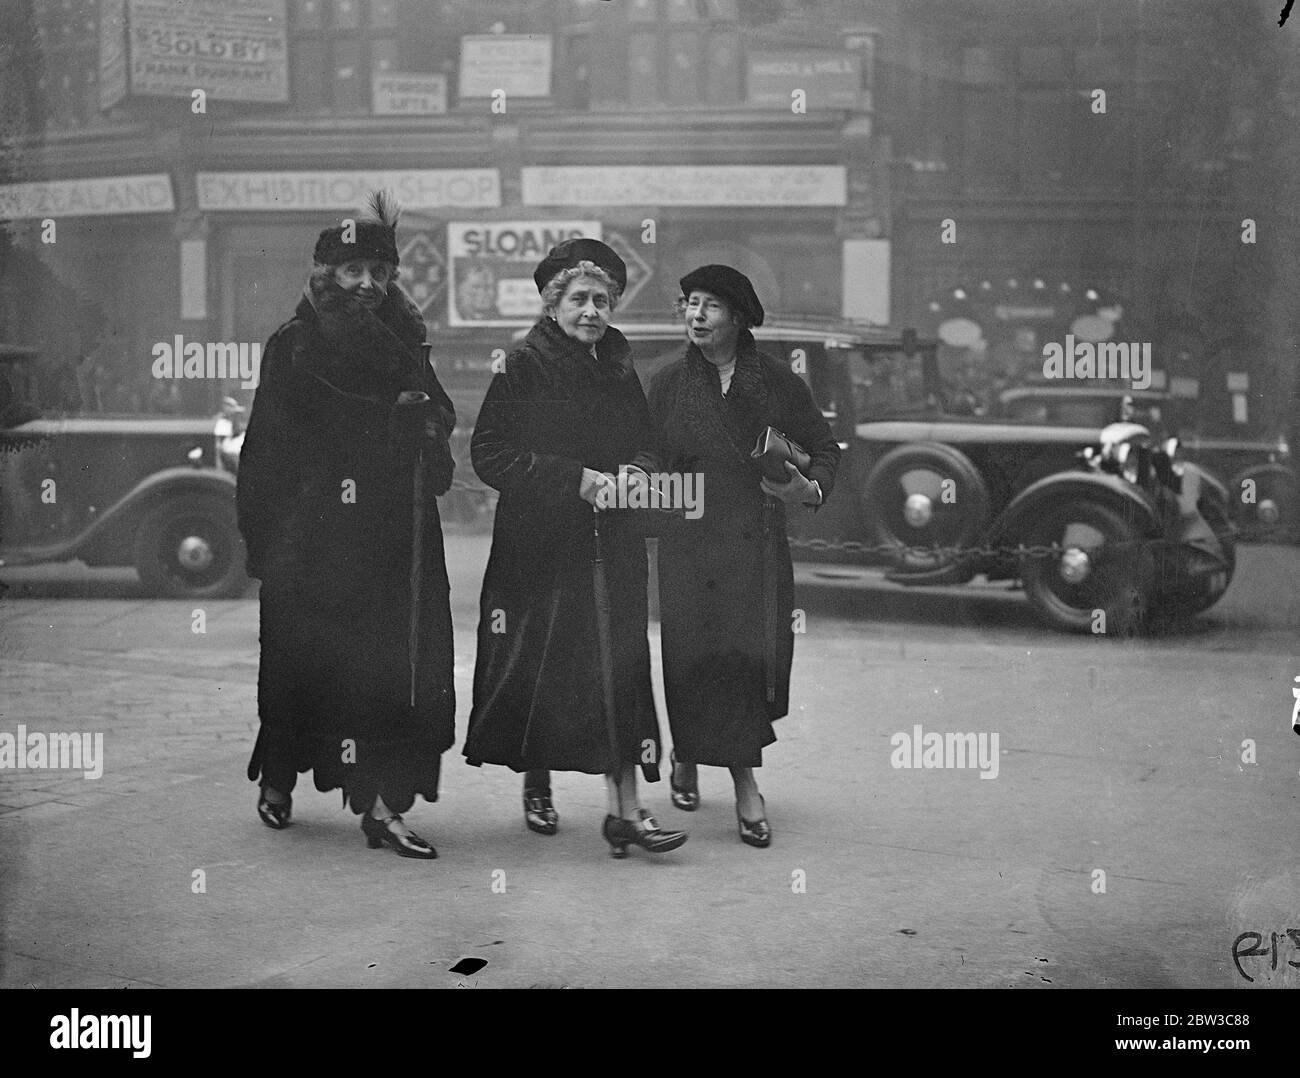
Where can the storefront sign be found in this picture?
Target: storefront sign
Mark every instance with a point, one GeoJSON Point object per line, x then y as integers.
{"type": "Point", "coordinates": [685, 185]}
{"type": "Point", "coordinates": [395, 94]}
{"type": "Point", "coordinates": [829, 79]}
{"type": "Point", "coordinates": [519, 64]}
{"type": "Point", "coordinates": [102, 197]}
{"type": "Point", "coordinates": [459, 188]}
{"type": "Point", "coordinates": [234, 50]}
{"type": "Point", "coordinates": [492, 262]}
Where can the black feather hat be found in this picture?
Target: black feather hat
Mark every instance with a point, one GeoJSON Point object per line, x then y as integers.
{"type": "Point", "coordinates": [374, 236]}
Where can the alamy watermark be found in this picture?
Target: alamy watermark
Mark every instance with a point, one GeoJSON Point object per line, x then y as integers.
{"type": "Point", "coordinates": [52, 752]}
{"type": "Point", "coordinates": [1107, 359]}
{"type": "Point", "coordinates": [635, 489]}
{"type": "Point", "coordinates": [946, 751]}
{"type": "Point", "coordinates": [179, 358]}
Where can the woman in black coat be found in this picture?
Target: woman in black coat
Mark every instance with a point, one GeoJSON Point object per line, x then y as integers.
{"type": "Point", "coordinates": [327, 505]}
{"type": "Point", "coordinates": [726, 585]}
{"type": "Point", "coordinates": [565, 415]}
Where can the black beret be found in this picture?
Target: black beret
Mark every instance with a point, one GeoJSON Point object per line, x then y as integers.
{"type": "Point", "coordinates": [568, 254]}
{"type": "Point", "coordinates": [727, 284]}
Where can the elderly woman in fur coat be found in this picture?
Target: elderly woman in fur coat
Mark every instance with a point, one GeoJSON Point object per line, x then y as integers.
{"type": "Point", "coordinates": [565, 416]}
{"type": "Point", "coordinates": [346, 447]}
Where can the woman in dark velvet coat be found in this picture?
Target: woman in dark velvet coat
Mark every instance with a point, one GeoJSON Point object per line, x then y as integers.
{"type": "Point", "coordinates": [326, 506]}
{"type": "Point", "coordinates": [726, 585]}
{"type": "Point", "coordinates": [563, 417]}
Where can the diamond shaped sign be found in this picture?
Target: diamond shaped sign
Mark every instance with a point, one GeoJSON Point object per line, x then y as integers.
{"type": "Point", "coordinates": [424, 271]}
{"type": "Point", "coordinates": [638, 270]}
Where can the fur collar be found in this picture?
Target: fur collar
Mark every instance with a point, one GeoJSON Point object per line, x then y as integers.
{"type": "Point", "coordinates": [611, 363]}
{"type": "Point", "coordinates": [366, 351]}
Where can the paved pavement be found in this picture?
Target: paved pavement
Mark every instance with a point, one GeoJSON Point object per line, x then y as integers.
{"type": "Point", "coordinates": [1122, 758]}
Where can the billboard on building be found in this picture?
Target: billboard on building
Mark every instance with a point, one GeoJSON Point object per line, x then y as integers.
{"type": "Point", "coordinates": [233, 50]}
{"type": "Point", "coordinates": [518, 64]}
{"type": "Point", "coordinates": [491, 268]}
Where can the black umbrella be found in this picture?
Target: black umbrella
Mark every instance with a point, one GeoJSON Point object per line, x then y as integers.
{"type": "Point", "coordinates": [605, 645]}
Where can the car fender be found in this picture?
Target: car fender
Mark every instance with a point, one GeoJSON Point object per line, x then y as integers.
{"type": "Point", "coordinates": [108, 539]}
{"type": "Point", "coordinates": [1258, 471]}
{"type": "Point", "coordinates": [1134, 502]}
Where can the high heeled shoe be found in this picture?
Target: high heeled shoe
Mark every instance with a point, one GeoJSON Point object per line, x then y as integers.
{"type": "Point", "coordinates": [755, 832]}
{"type": "Point", "coordinates": [409, 845]}
{"type": "Point", "coordinates": [539, 812]}
{"type": "Point", "coordinates": [646, 833]}
{"type": "Point", "coordinates": [275, 814]}
{"type": "Point", "coordinates": [687, 796]}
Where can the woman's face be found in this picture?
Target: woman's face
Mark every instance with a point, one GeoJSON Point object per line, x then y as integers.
{"type": "Point", "coordinates": [584, 309]}
{"type": "Point", "coordinates": [709, 324]}
{"type": "Point", "coordinates": [367, 278]}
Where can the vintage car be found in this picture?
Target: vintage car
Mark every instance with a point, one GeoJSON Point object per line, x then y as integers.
{"type": "Point", "coordinates": [1103, 526]}
{"type": "Point", "coordinates": [153, 492]}
{"type": "Point", "coordinates": [1262, 482]}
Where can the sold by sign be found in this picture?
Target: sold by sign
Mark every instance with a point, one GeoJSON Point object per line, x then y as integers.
{"type": "Point", "coordinates": [492, 262]}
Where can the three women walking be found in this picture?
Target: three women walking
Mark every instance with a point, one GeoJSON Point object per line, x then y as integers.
{"type": "Point", "coordinates": [346, 450]}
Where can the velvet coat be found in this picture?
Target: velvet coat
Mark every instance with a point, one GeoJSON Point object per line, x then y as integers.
{"type": "Point", "coordinates": [538, 700]}
{"type": "Point", "coordinates": [726, 583]}
{"type": "Point", "coordinates": [325, 502]}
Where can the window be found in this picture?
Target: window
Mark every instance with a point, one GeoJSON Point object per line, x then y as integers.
{"type": "Point", "coordinates": [336, 47]}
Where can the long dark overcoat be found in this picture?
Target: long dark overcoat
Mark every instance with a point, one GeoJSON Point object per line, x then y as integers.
{"type": "Point", "coordinates": [325, 502]}
{"type": "Point", "coordinates": [719, 620]}
{"type": "Point", "coordinates": [537, 686]}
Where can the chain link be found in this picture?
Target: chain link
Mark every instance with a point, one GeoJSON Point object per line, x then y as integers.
{"type": "Point", "coordinates": [945, 555]}
{"type": "Point", "coordinates": [950, 554]}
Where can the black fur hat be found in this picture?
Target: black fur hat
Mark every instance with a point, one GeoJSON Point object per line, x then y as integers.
{"type": "Point", "coordinates": [376, 236]}
{"type": "Point", "coordinates": [568, 254]}
{"type": "Point", "coordinates": [727, 284]}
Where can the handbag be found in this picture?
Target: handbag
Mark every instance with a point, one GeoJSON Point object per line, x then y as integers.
{"type": "Point", "coordinates": [773, 449]}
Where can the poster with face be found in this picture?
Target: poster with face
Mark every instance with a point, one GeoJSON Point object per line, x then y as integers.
{"type": "Point", "coordinates": [492, 262]}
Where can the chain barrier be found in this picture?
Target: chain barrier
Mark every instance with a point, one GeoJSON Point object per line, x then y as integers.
{"type": "Point", "coordinates": [943, 555]}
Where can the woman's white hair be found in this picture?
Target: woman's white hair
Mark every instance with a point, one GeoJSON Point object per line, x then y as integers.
{"type": "Point", "coordinates": [559, 284]}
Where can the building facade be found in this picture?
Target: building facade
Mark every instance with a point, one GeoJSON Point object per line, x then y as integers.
{"type": "Point", "coordinates": [915, 161]}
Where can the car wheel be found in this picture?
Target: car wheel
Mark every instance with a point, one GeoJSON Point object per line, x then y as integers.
{"type": "Point", "coordinates": [1100, 581]}
{"type": "Point", "coordinates": [925, 495]}
{"type": "Point", "coordinates": [189, 547]}
{"type": "Point", "coordinates": [1184, 598]}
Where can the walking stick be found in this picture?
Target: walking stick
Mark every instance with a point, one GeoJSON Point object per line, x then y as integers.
{"type": "Point", "coordinates": [419, 474]}
{"type": "Point", "coordinates": [417, 566]}
{"type": "Point", "coordinates": [604, 642]}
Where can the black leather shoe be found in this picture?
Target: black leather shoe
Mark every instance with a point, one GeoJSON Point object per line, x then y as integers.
{"type": "Point", "coordinates": [274, 814]}
{"type": "Point", "coordinates": [686, 796]}
{"type": "Point", "coordinates": [409, 845]}
{"type": "Point", "coordinates": [539, 812]}
{"type": "Point", "coordinates": [755, 832]}
{"type": "Point", "coordinates": [645, 833]}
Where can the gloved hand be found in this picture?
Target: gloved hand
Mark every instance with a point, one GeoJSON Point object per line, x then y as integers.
{"type": "Point", "coordinates": [798, 490]}
{"type": "Point", "coordinates": [592, 483]}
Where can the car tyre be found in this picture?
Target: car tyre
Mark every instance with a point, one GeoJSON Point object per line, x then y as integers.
{"type": "Point", "coordinates": [1118, 584]}
{"type": "Point", "coordinates": [955, 506]}
{"type": "Point", "coordinates": [189, 547]}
